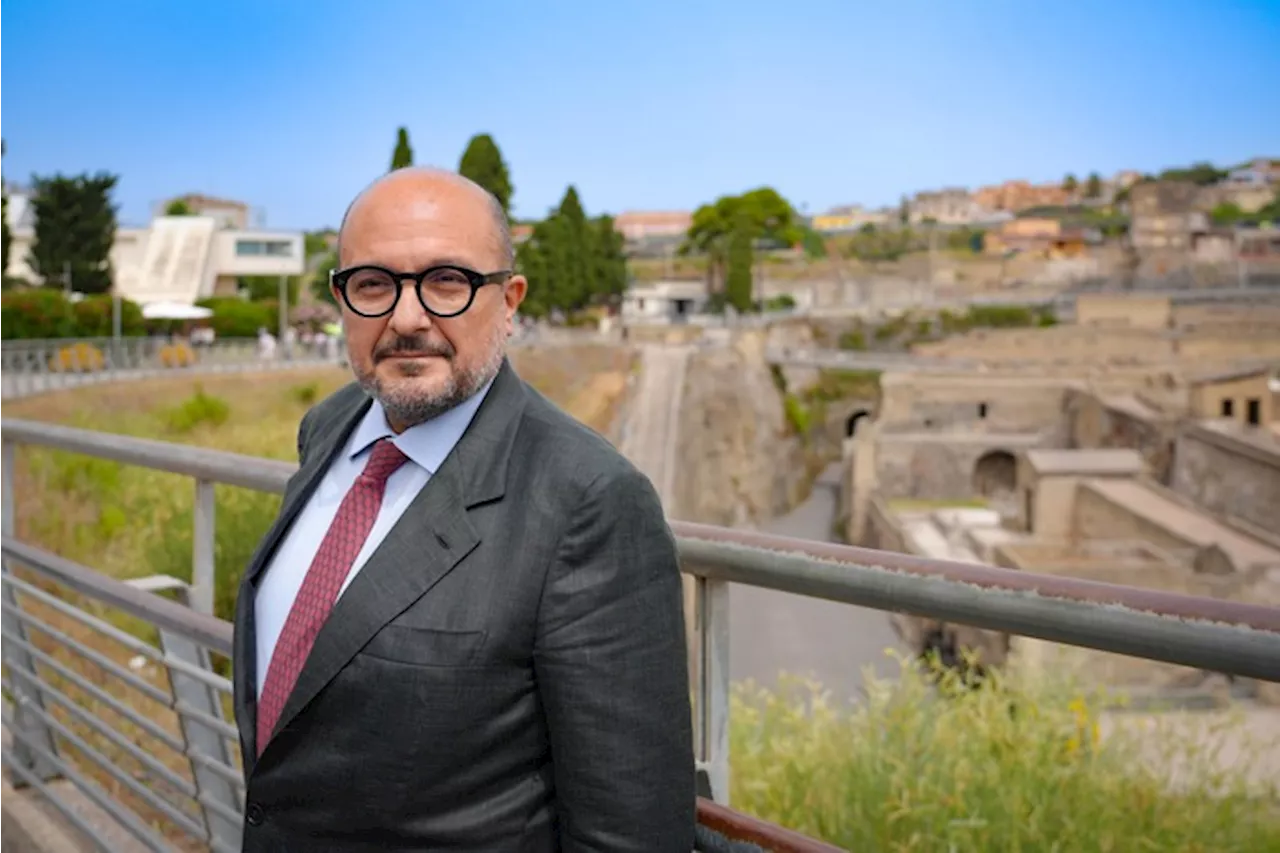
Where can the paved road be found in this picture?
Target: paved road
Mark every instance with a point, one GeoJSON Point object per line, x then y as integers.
{"type": "Point", "coordinates": [772, 632]}
{"type": "Point", "coordinates": [652, 430]}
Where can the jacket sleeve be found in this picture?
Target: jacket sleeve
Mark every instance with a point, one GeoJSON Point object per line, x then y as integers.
{"type": "Point", "coordinates": [612, 670]}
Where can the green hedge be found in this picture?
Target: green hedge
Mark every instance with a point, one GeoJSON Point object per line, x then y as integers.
{"type": "Point", "coordinates": [42, 313]}
{"type": "Point", "coordinates": [235, 318]}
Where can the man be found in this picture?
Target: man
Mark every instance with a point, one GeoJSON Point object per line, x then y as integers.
{"type": "Point", "coordinates": [504, 666]}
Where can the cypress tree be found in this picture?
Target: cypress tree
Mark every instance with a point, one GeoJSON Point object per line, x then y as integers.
{"type": "Point", "coordinates": [482, 162]}
{"type": "Point", "coordinates": [738, 281]}
{"type": "Point", "coordinates": [403, 155]}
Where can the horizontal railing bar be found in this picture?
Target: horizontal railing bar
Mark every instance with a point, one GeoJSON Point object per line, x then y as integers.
{"type": "Point", "coordinates": [97, 693]}
{"type": "Point", "coordinates": [222, 727]}
{"type": "Point", "coordinates": [98, 659]}
{"type": "Point", "coordinates": [100, 725]}
{"type": "Point", "coordinates": [224, 771]}
{"type": "Point", "coordinates": [740, 827]}
{"type": "Point", "coordinates": [888, 585]}
{"type": "Point", "coordinates": [103, 627]}
{"type": "Point", "coordinates": [126, 816]}
{"type": "Point", "coordinates": [209, 679]}
{"type": "Point", "coordinates": [230, 815]}
{"type": "Point", "coordinates": [52, 798]}
{"type": "Point", "coordinates": [204, 629]}
{"type": "Point", "coordinates": [725, 545]}
{"type": "Point", "coordinates": [187, 823]}
{"type": "Point", "coordinates": [234, 469]}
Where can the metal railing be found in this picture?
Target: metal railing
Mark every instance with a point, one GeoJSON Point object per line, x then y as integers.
{"type": "Point", "coordinates": [186, 775]}
{"type": "Point", "coordinates": [35, 366]}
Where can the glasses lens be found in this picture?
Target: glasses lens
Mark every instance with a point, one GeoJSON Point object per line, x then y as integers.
{"type": "Point", "coordinates": [446, 290]}
{"type": "Point", "coordinates": [371, 291]}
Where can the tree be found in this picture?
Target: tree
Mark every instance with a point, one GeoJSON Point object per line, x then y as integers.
{"type": "Point", "coordinates": [320, 279]}
{"type": "Point", "coordinates": [403, 155]}
{"type": "Point", "coordinates": [571, 261]}
{"type": "Point", "coordinates": [1069, 183]}
{"type": "Point", "coordinates": [1093, 186]}
{"type": "Point", "coordinates": [738, 284]}
{"type": "Point", "coordinates": [6, 238]}
{"type": "Point", "coordinates": [75, 229]}
{"type": "Point", "coordinates": [482, 162]}
{"type": "Point", "coordinates": [178, 207]}
{"type": "Point", "coordinates": [768, 216]}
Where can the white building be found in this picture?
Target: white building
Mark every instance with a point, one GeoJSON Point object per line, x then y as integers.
{"type": "Point", "coordinates": [176, 258]}
{"type": "Point", "coordinates": [663, 301]}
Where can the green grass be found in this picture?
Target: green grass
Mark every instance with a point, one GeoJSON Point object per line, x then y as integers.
{"type": "Point", "coordinates": [1016, 765]}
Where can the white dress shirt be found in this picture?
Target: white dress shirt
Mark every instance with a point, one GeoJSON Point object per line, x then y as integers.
{"type": "Point", "coordinates": [427, 445]}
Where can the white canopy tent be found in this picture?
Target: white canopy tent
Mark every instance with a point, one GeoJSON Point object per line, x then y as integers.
{"type": "Point", "coordinates": [175, 311]}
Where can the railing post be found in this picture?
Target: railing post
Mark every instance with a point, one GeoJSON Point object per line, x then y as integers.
{"type": "Point", "coordinates": [202, 548]}
{"type": "Point", "coordinates": [193, 694]}
{"type": "Point", "coordinates": [25, 700]}
{"type": "Point", "coordinates": [711, 599]}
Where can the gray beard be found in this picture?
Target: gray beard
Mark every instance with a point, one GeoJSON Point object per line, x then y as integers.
{"type": "Point", "coordinates": [408, 408]}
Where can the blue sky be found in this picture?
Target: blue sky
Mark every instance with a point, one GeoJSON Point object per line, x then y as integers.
{"type": "Point", "coordinates": [292, 105]}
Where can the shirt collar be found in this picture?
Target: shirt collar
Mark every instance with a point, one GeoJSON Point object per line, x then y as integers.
{"type": "Point", "coordinates": [427, 444]}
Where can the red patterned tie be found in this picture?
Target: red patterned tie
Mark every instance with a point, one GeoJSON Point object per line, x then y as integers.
{"type": "Point", "coordinates": [324, 579]}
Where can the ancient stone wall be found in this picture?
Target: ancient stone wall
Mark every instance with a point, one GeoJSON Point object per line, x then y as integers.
{"type": "Point", "coordinates": [1095, 517]}
{"type": "Point", "coordinates": [737, 463]}
{"type": "Point", "coordinates": [1093, 422]}
{"type": "Point", "coordinates": [1230, 475]}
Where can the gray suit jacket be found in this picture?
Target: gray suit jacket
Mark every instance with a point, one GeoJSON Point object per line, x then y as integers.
{"type": "Point", "coordinates": [507, 672]}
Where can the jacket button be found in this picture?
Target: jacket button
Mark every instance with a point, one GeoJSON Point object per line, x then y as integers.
{"type": "Point", "coordinates": [254, 815]}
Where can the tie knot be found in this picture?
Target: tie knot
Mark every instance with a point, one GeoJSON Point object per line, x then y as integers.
{"type": "Point", "coordinates": [383, 462]}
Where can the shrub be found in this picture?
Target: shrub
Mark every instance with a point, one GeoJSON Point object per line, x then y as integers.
{"type": "Point", "coordinates": [1015, 764]}
{"type": "Point", "coordinates": [796, 413]}
{"type": "Point", "coordinates": [1000, 316]}
{"type": "Point", "coordinates": [42, 313]}
{"type": "Point", "coordinates": [235, 318]}
{"type": "Point", "coordinates": [199, 408]}
{"type": "Point", "coordinates": [177, 355]}
{"type": "Point", "coordinates": [78, 358]}
{"type": "Point", "coordinates": [855, 340]}
{"type": "Point", "coordinates": [93, 317]}
{"type": "Point", "coordinates": [305, 395]}
{"type": "Point", "coordinates": [39, 313]}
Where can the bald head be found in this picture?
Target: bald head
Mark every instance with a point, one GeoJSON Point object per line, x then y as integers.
{"type": "Point", "coordinates": [428, 185]}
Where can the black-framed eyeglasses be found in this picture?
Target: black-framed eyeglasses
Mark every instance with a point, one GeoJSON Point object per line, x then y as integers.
{"type": "Point", "coordinates": [443, 291]}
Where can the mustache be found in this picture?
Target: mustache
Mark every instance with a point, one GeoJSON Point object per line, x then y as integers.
{"type": "Point", "coordinates": [413, 346]}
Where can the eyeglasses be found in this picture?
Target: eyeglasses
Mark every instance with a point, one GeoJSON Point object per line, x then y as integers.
{"type": "Point", "coordinates": [444, 291]}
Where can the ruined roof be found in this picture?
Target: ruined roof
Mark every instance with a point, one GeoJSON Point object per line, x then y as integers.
{"type": "Point", "coordinates": [1134, 406]}
{"type": "Point", "coordinates": [1232, 375]}
{"type": "Point", "coordinates": [1085, 462]}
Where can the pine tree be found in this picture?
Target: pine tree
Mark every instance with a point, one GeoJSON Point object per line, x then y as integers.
{"type": "Point", "coordinates": [403, 155]}
{"type": "Point", "coordinates": [75, 230]}
{"type": "Point", "coordinates": [482, 162]}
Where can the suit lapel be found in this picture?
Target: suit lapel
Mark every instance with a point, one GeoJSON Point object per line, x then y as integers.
{"type": "Point", "coordinates": [426, 543]}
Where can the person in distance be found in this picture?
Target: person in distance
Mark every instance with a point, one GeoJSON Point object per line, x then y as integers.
{"type": "Point", "coordinates": [464, 630]}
